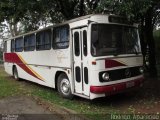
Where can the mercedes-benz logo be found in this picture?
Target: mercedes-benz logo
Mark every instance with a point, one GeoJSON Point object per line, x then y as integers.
{"type": "Point", "coordinates": [127, 73]}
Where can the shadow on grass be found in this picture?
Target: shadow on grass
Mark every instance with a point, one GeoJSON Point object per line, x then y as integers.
{"type": "Point", "coordinates": [151, 88]}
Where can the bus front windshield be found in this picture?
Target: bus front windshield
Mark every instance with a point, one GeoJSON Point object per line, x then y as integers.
{"type": "Point", "coordinates": [109, 39]}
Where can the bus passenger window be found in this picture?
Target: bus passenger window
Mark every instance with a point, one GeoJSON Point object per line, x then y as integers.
{"type": "Point", "coordinates": [5, 46]}
{"type": "Point", "coordinates": [43, 40]}
{"type": "Point", "coordinates": [94, 40]}
{"type": "Point", "coordinates": [19, 44]}
{"type": "Point", "coordinates": [76, 44]}
{"type": "Point", "coordinates": [61, 37]}
{"type": "Point", "coordinates": [12, 45]}
{"type": "Point", "coordinates": [29, 42]}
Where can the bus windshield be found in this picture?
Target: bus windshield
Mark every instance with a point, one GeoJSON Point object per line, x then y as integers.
{"type": "Point", "coordinates": [109, 39]}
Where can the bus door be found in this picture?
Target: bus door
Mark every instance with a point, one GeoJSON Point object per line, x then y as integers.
{"type": "Point", "coordinates": [80, 61]}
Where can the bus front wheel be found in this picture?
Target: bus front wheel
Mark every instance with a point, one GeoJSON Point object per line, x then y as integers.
{"type": "Point", "coordinates": [64, 86]}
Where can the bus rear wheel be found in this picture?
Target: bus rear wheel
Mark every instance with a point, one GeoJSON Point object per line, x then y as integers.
{"type": "Point", "coordinates": [15, 73]}
{"type": "Point", "coordinates": [64, 86]}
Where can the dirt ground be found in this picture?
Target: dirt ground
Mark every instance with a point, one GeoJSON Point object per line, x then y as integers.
{"type": "Point", "coordinates": [25, 108]}
{"type": "Point", "coordinates": [20, 105]}
{"type": "Point", "coordinates": [28, 108]}
{"type": "Point", "coordinates": [148, 100]}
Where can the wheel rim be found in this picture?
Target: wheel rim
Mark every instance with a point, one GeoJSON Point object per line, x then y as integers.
{"type": "Point", "coordinates": [65, 86]}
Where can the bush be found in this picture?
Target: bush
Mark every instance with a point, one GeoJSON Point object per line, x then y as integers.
{"type": "Point", "coordinates": [157, 42]}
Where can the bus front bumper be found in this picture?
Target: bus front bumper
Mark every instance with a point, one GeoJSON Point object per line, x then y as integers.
{"type": "Point", "coordinates": [117, 87]}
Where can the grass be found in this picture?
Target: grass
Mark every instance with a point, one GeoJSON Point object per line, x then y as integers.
{"type": "Point", "coordinates": [11, 87]}
{"type": "Point", "coordinates": [7, 88]}
{"type": "Point", "coordinates": [96, 110]}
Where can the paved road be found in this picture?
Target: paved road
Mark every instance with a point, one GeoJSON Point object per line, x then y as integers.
{"type": "Point", "coordinates": [25, 108]}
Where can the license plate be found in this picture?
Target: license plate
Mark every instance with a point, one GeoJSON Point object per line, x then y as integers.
{"type": "Point", "coordinates": [129, 84]}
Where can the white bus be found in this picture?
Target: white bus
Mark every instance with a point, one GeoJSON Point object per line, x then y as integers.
{"type": "Point", "coordinates": [91, 56]}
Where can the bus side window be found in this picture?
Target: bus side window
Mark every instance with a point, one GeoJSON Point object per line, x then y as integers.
{"type": "Point", "coordinates": [12, 45]}
{"type": "Point", "coordinates": [29, 42]}
{"type": "Point", "coordinates": [19, 44]}
{"type": "Point", "coordinates": [76, 44]}
{"type": "Point", "coordinates": [43, 40]}
{"type": "Point", "coordinates": [61, 37]}
{"type": "Point", "coordinates": [85, 43]}
{"type": "Point", "coordinates": [5, 46]}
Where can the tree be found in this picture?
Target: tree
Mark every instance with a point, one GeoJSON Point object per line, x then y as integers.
{"type": "Point", "coordinates": [69, 9]}
{"type": "Point", "coordinates": [145, 12]}
{"type": "Point", "coordinates": [33, 13]}
{"type": "Point", "coordinates": [151, 17]}
{"type": "Point", "coordinates": [12, 11]}
{"type": "Point", "coordinates": [22, 16]}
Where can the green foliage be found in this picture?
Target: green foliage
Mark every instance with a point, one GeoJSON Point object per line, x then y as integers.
{"type": "Point", "coordinates": [157, 40]}
{"type": "Point", "coordinates": [132, 9]}
{"type": "Point", "coordinates": [157, 44]}
{"type": "Point", "coordinates": [157, 35]}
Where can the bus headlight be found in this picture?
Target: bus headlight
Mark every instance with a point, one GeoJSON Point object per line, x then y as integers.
{"type": "Point", "coordinates": [141, 70]}
{"type": "Point", "coordinates": [105, 76]}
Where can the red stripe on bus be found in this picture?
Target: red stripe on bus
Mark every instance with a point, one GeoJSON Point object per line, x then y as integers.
{"type": "Point", "coordinates": [14, 58]}
{"type": "Point", "coordinates": [113, 63]}
{"type": "Point", "coordinates": [115, 87]}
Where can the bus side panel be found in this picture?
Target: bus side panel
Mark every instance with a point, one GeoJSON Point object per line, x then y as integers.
{"type": "Point", "coordinates": [48, 58]}
{"type": "Point", "coordinates": [8, 67]}
{"type": "Point", "coordinates": [40, 66]}
{"type": "Point", "coordinates": [24, 75]}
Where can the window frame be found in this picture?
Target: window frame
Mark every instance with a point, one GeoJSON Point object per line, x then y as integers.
{"type": "Point", "coordinates": [109, 54]}
{"type": "Point", "coordinates": [21, 48]}
{"type": "Point", "coordinates": [29, 47]}
{"type": "Point", "coordinates": [5, 46]}
{"type": "Point", "coordinates": [12, 44]}
{"type": "Point", "coordinates": [50, 40]}
{"type": "Point", "coordinates": [54, 44]}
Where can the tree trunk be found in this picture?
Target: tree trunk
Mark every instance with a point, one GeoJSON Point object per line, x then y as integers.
{"type": "Point", "coordinates": [142, 41]}
{"type": "Point", "coordinates": [150, 42]}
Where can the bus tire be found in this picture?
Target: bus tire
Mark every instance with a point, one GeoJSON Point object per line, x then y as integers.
{"type": "Point", "coordinates": [15, 73]}
{"type": "Point", "coordinates": [64, 86]}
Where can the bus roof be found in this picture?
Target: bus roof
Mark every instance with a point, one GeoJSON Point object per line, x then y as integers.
{"type": "Point", "coordinates": [60, 24]}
